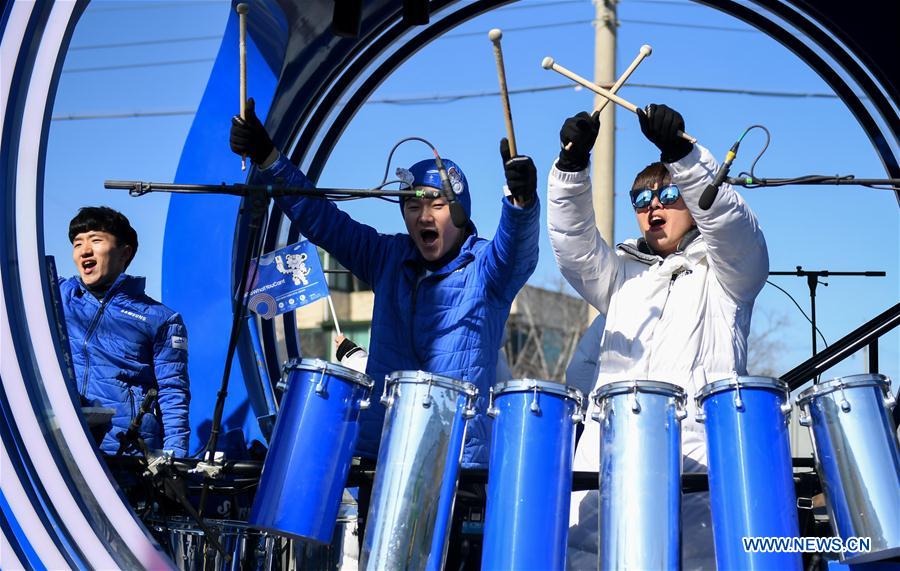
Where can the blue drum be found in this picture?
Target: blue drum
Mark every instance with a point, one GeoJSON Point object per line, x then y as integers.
{"type": "Point", "coordinates": [858, 460]}
{"type": "Point", "coordinates": [751, 482]}
{"type": "Point", "coordinates": [417, 471]}
{"type": "Point", "coordinates": [312, 445]}
{"type": "Point", "coordinates": [530, 475]}
{"type": "Point", "coordinates": [640, 474]}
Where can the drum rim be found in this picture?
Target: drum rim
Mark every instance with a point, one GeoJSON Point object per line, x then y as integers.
{"type": "Point", "coordinates": [746, 382]}
{"type": "Point", "coordinates": [560, 389]}
{"type": "Point", "coordinates": [315, 364]}
{"type": "Point", "coordinates": [187, 524]}
{"type": "Point", "coordinates": [847, 382]}
{"type": "Point", "coordinates": [411, 376]}
{"type": "Point", "coordinates": [655, 387]}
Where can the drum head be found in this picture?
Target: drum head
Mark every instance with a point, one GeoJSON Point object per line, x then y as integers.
{"type": "Point", "coordinates": [417, 377]}
{"type": "Point", "coordinates": [744, 383]}
{"type": "Point", "coordinates": [529, 385]}
{"type": "Point", "coordinates": [333, 369]}
{"type": "Point", "coordinates": [653, 387]}
{"type": "Point", "coordinates": [849, 382]}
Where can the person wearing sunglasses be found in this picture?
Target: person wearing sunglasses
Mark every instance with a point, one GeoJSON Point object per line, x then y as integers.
{"type": "Point", "coordinates": [677, 299]}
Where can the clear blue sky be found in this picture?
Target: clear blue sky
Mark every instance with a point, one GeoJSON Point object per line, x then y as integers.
{"type": "Point", "coordinates": [833, 228]}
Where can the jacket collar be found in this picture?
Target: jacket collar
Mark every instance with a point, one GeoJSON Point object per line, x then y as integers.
{"type": "Point", "coordinates": [690, 243]}
{"type": "Point", "coordinates": [132, 285]}
{"type": "Point", "coordinates": [416, 263]}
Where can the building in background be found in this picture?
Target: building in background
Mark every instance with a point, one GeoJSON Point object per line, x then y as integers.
{"type": "Point", "coordinates": [542, 331]}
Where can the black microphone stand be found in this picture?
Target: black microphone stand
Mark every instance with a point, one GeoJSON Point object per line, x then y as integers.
{"type": "Point", "coordinates": [158, 466]}
{"type": "Point", "coordinates": [812, 281]}
{"type": "Point", "coordinates": [256, 203]}
{"type": "Point", "coordinates": [140, 188]}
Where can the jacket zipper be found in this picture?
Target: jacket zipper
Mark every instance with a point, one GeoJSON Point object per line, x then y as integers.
{"type": "Point", "coordinates": [131, 402]}
{"type": "Point", "coordinates": [662, 312]}
{"type": "Point", "coordinates": [87, 337]}
{"type": "Point", "coordinates": [412, 320]}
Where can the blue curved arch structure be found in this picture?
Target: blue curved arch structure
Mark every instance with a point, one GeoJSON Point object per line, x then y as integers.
{"type": "Point", "coordinates": [58, 506]}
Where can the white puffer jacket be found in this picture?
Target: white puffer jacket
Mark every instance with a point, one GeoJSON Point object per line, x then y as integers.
{"type": "Point", "coordinates": [682, 319]}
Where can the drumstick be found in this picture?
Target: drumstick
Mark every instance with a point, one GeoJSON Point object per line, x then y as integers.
{"type": "Point", "coordinates": [645, 51]}
{"type": "Point", "coordinates": [242, 10]}
{"type": "Point", "coordinates": [337, 326]}
{"type": "Point", "coordinates": [548, 63]}
{"type": "Point", "coordinates": [495, 36]}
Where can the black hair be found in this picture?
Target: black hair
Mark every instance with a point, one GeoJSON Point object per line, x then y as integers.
{"type": "Point", "coordinates": [654, 175]}
{"type": "Point", "coordinates": [104, 219]}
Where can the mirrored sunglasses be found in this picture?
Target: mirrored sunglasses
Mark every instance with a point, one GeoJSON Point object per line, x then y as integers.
{"type": "Point", "coordinates": [642, 197]}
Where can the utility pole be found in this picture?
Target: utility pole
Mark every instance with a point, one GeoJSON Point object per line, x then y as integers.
{"type": "Point", "coordinates": [603, 173]}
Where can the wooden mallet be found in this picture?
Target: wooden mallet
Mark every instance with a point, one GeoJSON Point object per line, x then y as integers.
{"type": "Point", "coordinates": [645, 51]}
{"type": "Point", "coordinates": [548, 63]}
{"type": "Point", "coordinates": [242, 10]}
{"type": "Point", "coordinates": [495, 35]}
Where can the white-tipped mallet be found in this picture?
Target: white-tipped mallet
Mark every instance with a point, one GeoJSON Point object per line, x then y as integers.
{"type": "Point", "coordinates": [645, 51]}
{"type": "Point", "coordinates": [548, 63]}
{"type": "Point", "coordinates": [242, 10]}
{"type": "Point", "coordinates": [495, 35]}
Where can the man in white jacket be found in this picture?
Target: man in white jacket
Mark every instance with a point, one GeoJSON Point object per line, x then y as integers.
{"type": "Point", "coordinates": [582, 370]}
{"type": "Point", "coordinates": [677, 300]}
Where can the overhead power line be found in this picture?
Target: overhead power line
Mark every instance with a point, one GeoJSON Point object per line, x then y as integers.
{"type": "Point", "coordinates": [451, 98]}
{"type": "Point", "coordinates": [126, 115]}
{"type": "Point", "coordinates": [132, 6]}
{"type": "Point", "coordinates": [137, 65]}
{"type": "Point", "coordinates": [145, 42]}
{"type": "Point", "coordinates": [563, 24]}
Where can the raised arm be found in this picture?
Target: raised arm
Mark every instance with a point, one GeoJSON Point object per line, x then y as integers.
{"type": "Point", "coordinates": [584, 259]}
{"type": "Point", "coordinates": [170, 354]}
{"type": "Point", "coordinates": [358, 247]}
{"type": "Point", "coordinates": [513, 253]}
{"type": "Point", "coordinates": [735, 244]}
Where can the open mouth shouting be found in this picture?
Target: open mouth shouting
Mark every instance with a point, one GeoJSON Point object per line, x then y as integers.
{"type": "Point", "coordinates": [429, 237]}
{"type": "Point", "coordinates": [657, 223]}
{"type": "Point", "coordinates": [87, 266]}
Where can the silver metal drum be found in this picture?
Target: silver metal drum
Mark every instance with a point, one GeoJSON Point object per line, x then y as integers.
{"type": "Point", "coordinates": [191, 550]}
{"type": "Point", "coordinates": [417, 470]}
{"type": "Point", "coordinates": [858, 460]}
{"type": "Point", "coordinates": [287, 554]}
{"type": "Point", "coordinates": [640, 474]}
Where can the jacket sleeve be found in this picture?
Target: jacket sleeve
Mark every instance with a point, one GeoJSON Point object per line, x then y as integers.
{"type": "Point", "coordinates": [582, 370]}
{"type": "Point", "coordinates": [170, 367]}
{"type": "Point", "coordinates": [358, 247]}
{"type": "Point", "coordinates": [584, 259]}
{"type": "Point", "coordinates": [512, 255]}
{"type": "Point", "coordinates": [735, 244]}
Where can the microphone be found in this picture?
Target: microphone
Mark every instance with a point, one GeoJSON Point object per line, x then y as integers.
{"type": "Point", "coordinates": [711, 191]}
{"type": "Point", "coordinates": [457, 212]}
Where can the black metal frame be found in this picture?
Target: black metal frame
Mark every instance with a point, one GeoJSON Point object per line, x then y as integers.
{"type": "Point", "coordinates": [827, 32]}
{"type": "Point", "coordinates": [866, 334]}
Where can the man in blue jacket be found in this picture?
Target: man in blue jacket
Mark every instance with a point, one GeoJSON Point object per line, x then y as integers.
{"type": "Point", "coordinates": [442, 293]}
{"type": "Point", "coordinates": [123, 342]}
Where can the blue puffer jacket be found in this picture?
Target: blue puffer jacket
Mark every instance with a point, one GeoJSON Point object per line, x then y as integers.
{"type": "Point", "coordinates": [449, 323]}
{"type": "Point", "coordinates": [123, 346]}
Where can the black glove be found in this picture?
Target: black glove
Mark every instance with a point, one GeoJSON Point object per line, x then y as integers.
{"type": "Point", "coordinates": [249, 137]}
{"type": "Point", "coordinates": [660, 125]}
{"type": "Point", "coordinates": [581, 131]}
{"type": "Point", "coordinates": [521, 176]}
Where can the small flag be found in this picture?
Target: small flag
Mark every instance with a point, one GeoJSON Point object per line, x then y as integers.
{"type": "Point", "coordinates": [286, 279]}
